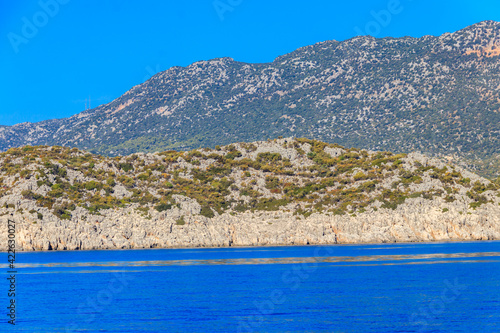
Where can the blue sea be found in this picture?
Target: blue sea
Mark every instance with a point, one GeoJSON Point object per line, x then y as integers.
{"type": "Point", "coordinates": [432, 287]}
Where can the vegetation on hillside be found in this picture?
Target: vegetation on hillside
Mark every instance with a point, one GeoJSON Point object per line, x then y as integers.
{"type": "Point", "coordinates": [320, 177]}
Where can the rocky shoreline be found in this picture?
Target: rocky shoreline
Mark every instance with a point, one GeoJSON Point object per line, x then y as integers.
{"type": "Point", "coordinates": [415, 221]}
{"type": "Point", "coordinates": [278, 192]}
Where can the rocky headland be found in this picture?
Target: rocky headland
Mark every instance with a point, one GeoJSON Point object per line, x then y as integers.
{"type": "Point", "coordinates": [275, 192]}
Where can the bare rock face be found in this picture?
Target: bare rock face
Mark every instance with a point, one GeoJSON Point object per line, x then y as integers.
{"type": "Point", "coordinates": [124, 229]}
{"type": "Point", "coordinates": [187, 205]}
{"type": "Point", "coordinates": [121, 192]}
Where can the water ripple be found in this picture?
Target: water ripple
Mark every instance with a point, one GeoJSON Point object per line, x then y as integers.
{"type": "Point", "coordinates": [423, 258]}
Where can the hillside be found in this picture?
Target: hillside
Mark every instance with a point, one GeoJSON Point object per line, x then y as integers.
{"type": "Point", "coordinates": [436, 95]}
{"type": "Point", "coordinates": [282, 191]}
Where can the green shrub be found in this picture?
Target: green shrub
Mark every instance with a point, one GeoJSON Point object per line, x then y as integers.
{"type": "Point", "coordinates": [26, 174]}
{"type": "Point", "coordinates": [92, 185]}
{"type": "Point", "coordinates": [359, 176]}
{"type": "Point", "coordinates": [368, 186]}
{"type": "Point", "coordinates": [111, 182]}
{"type": "Point", "coordinates": [478, 187]}
{"type": "Point", "coordinates": [127, 181]}
{"type": "Point", "coordinates": [339, 211]}
{"type": "Point", "coordinates": [207, 212]}
{"type": "Point", "coordinates": [143, 177]}
{"type": "Point", "coordinates": [449, 198]}
{"type": "Point", "coordinates": [249, 147]}
{"type": "Point", "coordinates": [272, 182]}
{"type": "Point", "coordinates": [465, 181]}
{"type": "Point", "coordinates": [240, 207]}
{"type": "Point", "coordinates": [233, 154]}
{"type": "Point", "coordinates": [268, 204]}
{"type": "Point", "coordinates": [125, 166]}
{"type": "Point", "coordinates": [56, 193]}
{"type": "Point", "coordinates": [63, 211]}
{"type": "Point", "coordinates": [268, 158]}
{"type": "Point", "coordinates": [249, 191]}
{"type": "Point", "coordinates": [478, 199]}
{"type": "Point", "coordinates": [304, 213]}
{"type": "Point", "coordinates": [62, 172]}
{"type": "Point", "coordinates": [27, 194]}
{"type": "Point", "coordinates": [163, 207]}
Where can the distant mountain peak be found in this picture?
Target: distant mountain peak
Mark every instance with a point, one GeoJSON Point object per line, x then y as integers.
{"type": "Point", "coordinates": [481, 39]}
{"type": "Point", "coordinates": [428, 94]}
{"type": "Point", "coordinates": [487, 24]}
{"type": "Point", "coordinates": [484, 29]}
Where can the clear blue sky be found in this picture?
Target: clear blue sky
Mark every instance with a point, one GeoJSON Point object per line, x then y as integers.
{"type": "Point", "coordinates": [102, 48]}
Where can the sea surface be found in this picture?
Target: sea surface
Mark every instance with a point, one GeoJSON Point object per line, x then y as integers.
{"type": "Point", "coordinates": [432, 287]}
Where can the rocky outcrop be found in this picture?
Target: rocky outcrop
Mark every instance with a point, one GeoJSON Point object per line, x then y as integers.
{"type": "Point", "coordinates": [414, 221]}
{"type": "Point", "coordinates": [276, 192]}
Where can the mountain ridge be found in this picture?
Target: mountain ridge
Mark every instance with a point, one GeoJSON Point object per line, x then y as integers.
{"type": "Point", "coordinates": [434, 94]}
